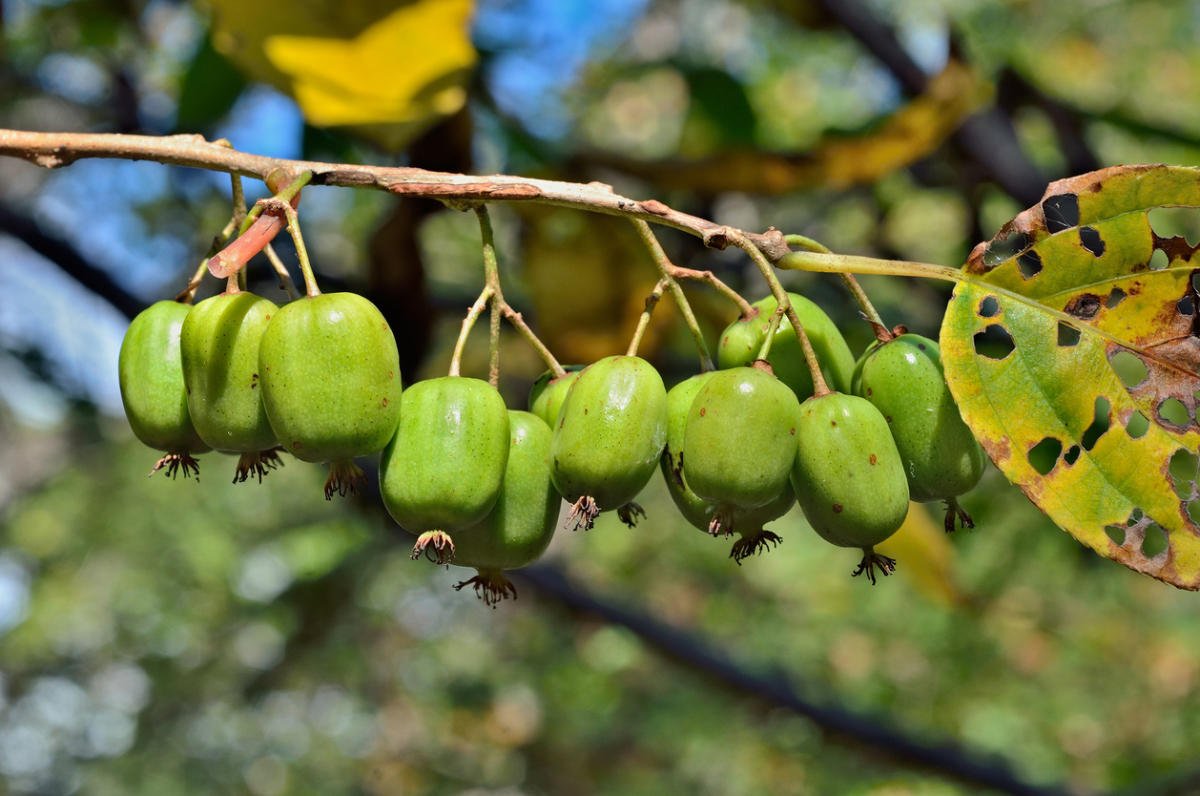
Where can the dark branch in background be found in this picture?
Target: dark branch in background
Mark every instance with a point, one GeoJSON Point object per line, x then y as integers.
{"type": "Point", "coordinates": [987, 137]}
{"type": "Point", "coordinates": [686, 649]}
{"type": "Point", "coordinates": [68, 258]}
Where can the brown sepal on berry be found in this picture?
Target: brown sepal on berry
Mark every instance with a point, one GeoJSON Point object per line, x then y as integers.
{"type": "Point", "coordinates": [583, 514]}
{"type": "Point", "coordinates": [870, 561]}
{"type": "Point", "coordinates": [172, 463]}
{"type": "Point", "coordinates": [437, 546]}
{"type": "Point", "coordinates": [258, 464]}
{"type": "Point", "coordinates": [630, 512]}
{"type": "Point", "coordinates": [955, 512]}
{"type": "Point", "coordinates": [747, 546]}
{"type": "Point", "coordinates": [721, 524]}
{"type": "Point", "coordinates": [345, 478]}
{"type": "Point", "coordinates": [491, 586]}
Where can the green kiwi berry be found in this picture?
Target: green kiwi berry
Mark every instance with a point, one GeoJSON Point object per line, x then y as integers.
{"type": "Point", "coordinates": [610, 433]}
{"type": "Point", "coordinates": [903, 378]}
{"type": "Point", "coordinates": [153, 392]}
{"type": "Point", "coordinates": [443, 468]}
{"type": "Point", "coordinates": [848, 476]}
{"type": "Point", "coordinates": [548, 393]}
{"type": "Point", "coordinates": [219, 343]}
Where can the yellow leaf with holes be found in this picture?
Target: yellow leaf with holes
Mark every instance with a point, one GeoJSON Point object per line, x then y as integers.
{"type": "Point", "coordinates": [384, 69]}
{"type": "Point", "coordinates": [1072, 349]}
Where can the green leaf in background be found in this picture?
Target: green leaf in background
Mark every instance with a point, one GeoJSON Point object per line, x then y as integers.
{"type": "Point", "coordinates": [210, 87]}
{"type": "Point", "coordinates": [1072, 350]}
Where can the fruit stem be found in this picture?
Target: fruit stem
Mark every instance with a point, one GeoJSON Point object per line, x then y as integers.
{"type": "Point", "coordinates": [287, 194]}
{"type": "Point", "coordinates": [293, 224]}
{"type": "Point", "coordinates": [644, 321]}
{"type": "Point", "coordinates": [188, 294]}
{"type": "Point", "coordinates": [820, 387]}
{"type": "Point", "coordinates": [772, 326]}
{"type": "Point", "coordinates": [523, 329]}
{"type": "Point", "coordinates": [664, 268]}
{"type": "Point", "coordinates": [744, 307]}
{"type": "Point", "coordinates": [852, 264]}
{"type": "Point", "coordinates": [491, 275]}
{"type": "Point", "coordinates": [882, 334]}
{"type": "Point", "coordinates": [468, 322]}
{"type": "Point", "coordinates": [285, 279]}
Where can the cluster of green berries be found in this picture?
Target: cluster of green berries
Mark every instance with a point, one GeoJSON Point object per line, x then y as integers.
{"type": "Point", "coordinates": [481, 485]}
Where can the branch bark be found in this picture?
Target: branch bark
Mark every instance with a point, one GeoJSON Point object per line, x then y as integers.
{"type": "Point", "coordinates": [54, 150]}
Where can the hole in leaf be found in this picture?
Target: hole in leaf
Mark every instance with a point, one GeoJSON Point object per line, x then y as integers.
{"type": "Point", "coordinates": [1137, 426]}
{"type": "Point", "coordinates": [994, 342]}
{"type": "Point", "coordinates": [1196, 281]}
{"type": "Point", "coordinates": [1173, 411]}
{"type": "Point", "coordinates": [1155, 540]}
{"type": "Point", "coordinates": [1170, 222]}
{"type": "Point", "coordinates": [1115, 297]}
{"type": "Point", "coordinates": [1135, 517]}
{"type": "Point", "coordinates": [1091, 240]}
{"type": "Point", "coordinates": [1067, 335]}
{"type": "Point", "coordinates": [1130, 369]}
{"type": "Point", "coordinates": [1100, 423]}
{"type": "Point", "coordinates": [1182, 466]}
{"type": "Point", "coordinates": [1061, 212]}
{"type": "Point", "coordinates": [989, 307]}
{"type": "Point", "coordinates": [1158, 260]}
{"type": "Point", "coordinates": [1072, 455]}
{"type": "Point", "coordinates": [1030, 264]}
{"type": "Point", "coordinates": [1005, 247]}
{"type": "Point", "coordinates": [1116, 533]}
{"type": "Point", "coordinates": [1044, 455]}
{"type": "Point", "coordinates": [1193, 510]}
{"type": "Point", "coordinates": [1085, 306]}
{"type": "Point", "coordinates": [1186, 306]}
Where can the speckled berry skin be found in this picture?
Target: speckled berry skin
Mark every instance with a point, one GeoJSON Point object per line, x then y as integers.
{"type": "Point", "coordinates": [742, 339]}
{"type": "Point", "coordinates": [219, 345]}
{"type": "Point", "coordinates": [548, 393]}
{"type": "Point", "coordinates": [520, 526]}
{"type": "Point", "coordinates": [610, 432]}
{"type": "Point", "coordinates": [443, 468]}
{"type": "Point", "coordinates": [330, 377]}
{"type": "Point", "coordinates": [151, 378]}
{"type": "Point", "coordinates": [903, 378]}
{"type": "Point", "coordinates": [848, 477]}
{"type": "Point", "coordinates": [740, 440]}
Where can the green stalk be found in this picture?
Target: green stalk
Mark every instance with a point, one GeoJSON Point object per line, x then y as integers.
{"type": "Point", "coordinates": [664, 265]}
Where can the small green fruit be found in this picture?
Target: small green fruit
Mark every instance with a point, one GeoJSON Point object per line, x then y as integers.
{"type": "Point", "coordinates": [742, 339]}
{"type": "Point", "coordinates": [848, 476]}
{"type": "Point", "coordinates": [748, 523]}
{"type": "Point", "coordinates": [152, 388]}
{"type": "Point", "coordinates": [903, 378]}
{"type": "Point", "coordinates": [330, 378]}
{"type": "Point", "coordinates": [443, 468]}
{"type": "Point", "coordinates": [610, 433]}
{"type": "Point", "coordinates": [219, 343]}
{"type": "Point", "coordinates": [548, 393]}
{"type": "Point", "coordinates": [740, 442]}
{"type": "Point", "coordinates": [519, 527]}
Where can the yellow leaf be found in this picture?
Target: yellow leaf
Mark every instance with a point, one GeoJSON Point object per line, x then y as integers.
{"type": "Point", "coordinates": [388, 72]}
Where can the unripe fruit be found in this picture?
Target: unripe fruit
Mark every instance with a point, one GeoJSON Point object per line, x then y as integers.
{"type": "Point", "coordinates": [219, 344]}
{"type": "Point", "coordinates": [443, 469]}
{"type": "Point", "coordinates": [903, 378]}
{"type": "Point", "coordinates": [848, 477]}
{"type": "Point", "coordinates": [548, 393]}
{"type": "Point", "coordinates": [519, 527]}
{"type": "Point", "coordinates": [740, 442]}
{"type": "Point", "coordinates": [152, 387]}
{"type": "Point", "coordinates": [742, 339]}
{"type": "Point", "coordinates": [610, 433]}
{"type": "Point", "coordinates": [330, 377]}
{"type": "Point", "coordinates": [748, 523]}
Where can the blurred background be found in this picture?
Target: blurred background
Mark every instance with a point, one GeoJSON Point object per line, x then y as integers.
{"type": "Point", "coordinates": [181, 637]}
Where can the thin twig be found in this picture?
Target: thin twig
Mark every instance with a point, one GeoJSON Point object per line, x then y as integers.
{"type": "Point", "coordinates": [664, 265]}
{"type": "Point", "coordinates": [518, 322]}
{"type": "Point", "coordinates": [644, 320]}
{"type": "Point", "coordinates": [53, 150]}
{"type": "Point", "coordinates": [856, 290]}
{"type": "Point", "coordinates": [467, 324]}
{"type": "Point", "coordinates": [820, 387]}
{"type": "Point", "coordinates": [744, 307]}
{"type": "Point", "coordinates": [285, 279]}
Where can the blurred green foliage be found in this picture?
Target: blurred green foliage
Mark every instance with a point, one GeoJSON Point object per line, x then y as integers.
{"type": "Point", "coordinates": [166, 637]}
